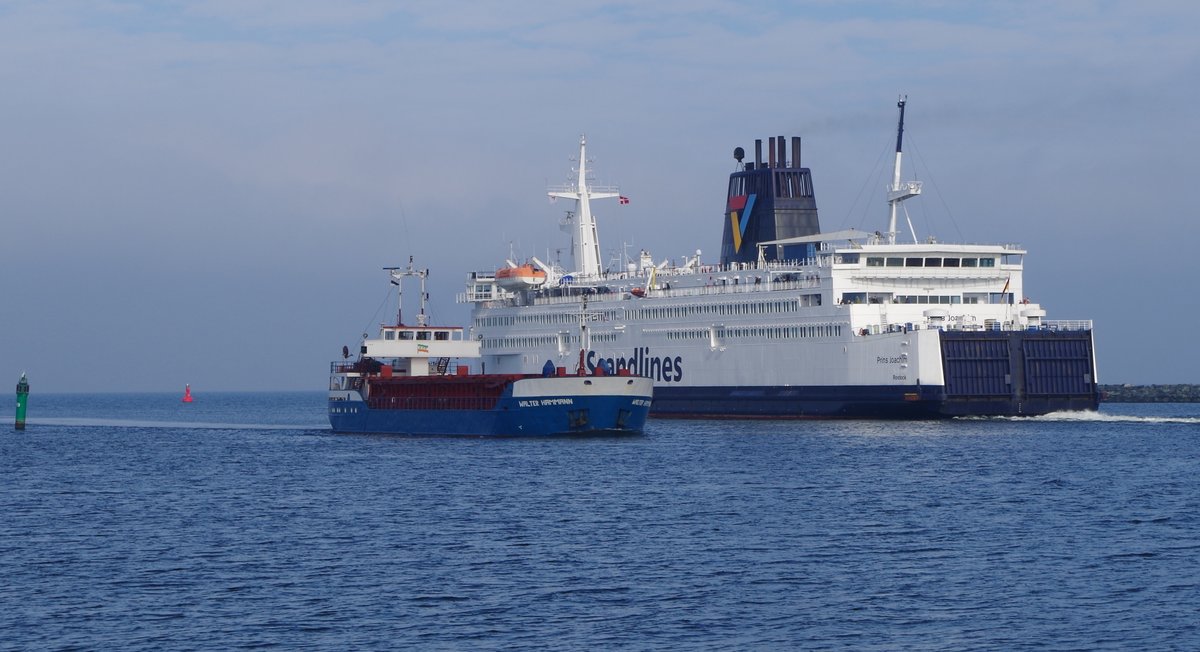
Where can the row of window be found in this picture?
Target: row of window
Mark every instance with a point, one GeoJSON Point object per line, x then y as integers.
{"type": "Point", "coordinates": [928, 261]}
{"type": "Point", "coordinates": [602, 338]}
{"type": "Point", "coordinates": [828, 330]}
{"type": "Point", "coordinates": [537, 341]}
{"type": "Point", "coordinates": [767, 332]}
{"type": "Point", "coordinates": [660, 313]}
{"type": "Point", "coordinates": [724, 309]}
{"type": "Point", "coordinates": [542, 318]}
{"type": "Point", "coordinates": [416, 335]}
{"type": "Point", "coordinates": [520, 342]}
{"type": "Point", "coordinates": [952, 299]}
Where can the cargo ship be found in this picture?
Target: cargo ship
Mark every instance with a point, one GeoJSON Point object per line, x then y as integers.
{"type": "Point", "coordinates": [792, 322]}
{"type": "Point", "coordinates": [419, 380]}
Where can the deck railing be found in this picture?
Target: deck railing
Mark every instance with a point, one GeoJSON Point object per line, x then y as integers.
{"type": "Point", "coordinates": [1067, 325]}
{"type": "Point", "coordinates": [432, 402]}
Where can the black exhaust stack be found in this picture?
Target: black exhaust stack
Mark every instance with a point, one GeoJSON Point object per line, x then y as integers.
{"type": "Point", "coordinates": [770, 202]}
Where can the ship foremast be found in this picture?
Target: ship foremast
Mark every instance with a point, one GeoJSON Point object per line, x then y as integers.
{"type": "Point", "coordinates": [586, 244]}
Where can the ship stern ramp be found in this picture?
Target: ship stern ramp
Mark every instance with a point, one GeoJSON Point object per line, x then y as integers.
{"type": "Point", "coordinates": [1018, 373]}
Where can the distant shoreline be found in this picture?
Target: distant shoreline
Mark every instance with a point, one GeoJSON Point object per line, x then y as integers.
{"type": "Point", "coordinates": [1150, 393]}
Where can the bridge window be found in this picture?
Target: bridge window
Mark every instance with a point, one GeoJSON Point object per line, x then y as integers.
{"type": "Point", "coordinates": [389, 335]}
{"type": "Point", "coordinates": [933, 262]}
{"type": "Point", "coordinates": [970, 262]}
{"type": "Point", "coordinates": [949, 262]}
{"type": "Point", "coordinates": [895, 262]}
{"type": "Point", "coordinates": [874, 261]}
{"type": "Point", "coordinates": [441, 335]}
{"type": "Point", "coordinates": [987, 262]}
{"type": "Point", "coordinates": [914, 262]}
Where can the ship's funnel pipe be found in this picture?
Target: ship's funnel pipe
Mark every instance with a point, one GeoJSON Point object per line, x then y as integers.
{"type": "Point", "coordinates": [782, 151]}
{"type": "Point", "coordinates": [758, 152]}
{"type": "Point", "coordinates": [795, 151]}
{"type": "Point", "coordinates": [771, 149]}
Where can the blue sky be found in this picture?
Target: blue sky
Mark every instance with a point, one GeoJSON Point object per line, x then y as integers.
{"type": "Point", "coordinates": [205, 191]}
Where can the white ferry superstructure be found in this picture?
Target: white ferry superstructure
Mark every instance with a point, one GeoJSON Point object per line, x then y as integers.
{"type": "Point", "coordinates": [795, 323]}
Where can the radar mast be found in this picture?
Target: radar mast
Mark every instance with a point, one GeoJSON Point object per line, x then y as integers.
{"type": "Point", "coordinates": [898, 191]}
{"type": "Point", "coordinates": [586, 245]}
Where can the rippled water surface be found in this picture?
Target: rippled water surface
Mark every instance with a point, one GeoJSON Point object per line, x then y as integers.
{"type": "Point", "coordinates": [135, 522]}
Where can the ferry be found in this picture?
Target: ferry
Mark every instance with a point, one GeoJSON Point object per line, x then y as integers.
{"type": "Point", "coordinates": [792, 322]}
{"type": "Point", "coordinates": [419, 380]}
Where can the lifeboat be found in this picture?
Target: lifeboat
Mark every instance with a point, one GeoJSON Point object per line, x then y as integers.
{"type": "Point", "coordinates": [521, 277]}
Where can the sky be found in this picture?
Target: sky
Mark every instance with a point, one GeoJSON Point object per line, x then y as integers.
{"type": "Point", "coordinates": [205, 192]}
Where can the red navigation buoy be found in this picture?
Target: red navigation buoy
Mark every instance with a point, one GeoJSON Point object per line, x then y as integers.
{"type": "Point", "coordinates": [187, 393]}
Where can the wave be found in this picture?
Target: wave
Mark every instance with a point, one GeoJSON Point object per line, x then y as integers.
{"type": "Point", "coordinates": [1096, 417]}
{"type": "Point", "coordinates": [193, 425]}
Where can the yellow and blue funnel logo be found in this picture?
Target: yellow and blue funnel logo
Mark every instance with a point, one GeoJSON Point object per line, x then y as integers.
{"type": "Point", "coordinates": [740, 208]}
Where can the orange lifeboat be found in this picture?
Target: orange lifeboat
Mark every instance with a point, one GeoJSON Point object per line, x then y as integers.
{"type": "Point", "coordinates": [521, 277]}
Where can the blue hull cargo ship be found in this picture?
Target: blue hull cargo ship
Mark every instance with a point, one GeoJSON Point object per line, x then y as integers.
{"type": "Point", "coordinates": [417, 380]}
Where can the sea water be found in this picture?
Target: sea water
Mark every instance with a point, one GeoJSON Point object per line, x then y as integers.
{"type": "Point", "coordinates": [137, 522]}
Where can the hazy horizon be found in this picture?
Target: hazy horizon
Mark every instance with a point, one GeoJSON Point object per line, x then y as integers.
{"type": "Point", "coordinates": [205, 192]}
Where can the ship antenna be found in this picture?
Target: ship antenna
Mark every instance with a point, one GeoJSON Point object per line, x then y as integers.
{"type": "Point", "coordinates": [397, 275]}
{"type": "Point", "coordinates": [898, 192]}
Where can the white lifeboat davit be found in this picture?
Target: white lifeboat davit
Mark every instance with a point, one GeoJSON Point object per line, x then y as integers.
{"type": "Point", "coordinates": [520, 277]}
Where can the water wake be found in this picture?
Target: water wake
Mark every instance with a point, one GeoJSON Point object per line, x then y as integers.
{"type": "Point", "coordinates": [1097, 417]}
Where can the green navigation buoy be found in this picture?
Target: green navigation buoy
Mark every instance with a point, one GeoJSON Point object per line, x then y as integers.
{"type": "Point", "coordinates": [22, 400]}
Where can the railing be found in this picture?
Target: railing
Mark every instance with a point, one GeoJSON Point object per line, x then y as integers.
{"type": "Point", "coordinates": [472, 297]}
{"type": "Point", "coordinates": [1067, 325]}
{"type": "Point", "coordinates": [346, 366]}
{"type": "Point", "coordinates": [717, 288]}
{"type": "Point", "coordinates": [432, 403]}
{"type": "Point", "coordinates": [987, 325]}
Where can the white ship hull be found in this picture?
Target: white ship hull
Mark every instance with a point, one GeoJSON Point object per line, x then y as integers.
{"type": "Point", "coordinates": [796, 323]}
{"type": "Point", "coordinates": [799, 361]}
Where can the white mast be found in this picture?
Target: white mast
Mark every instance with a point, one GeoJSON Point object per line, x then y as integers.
{"type": "Point", "coordinates": [398, 274]}
{"type": "Point", "coordinates": [898, 192]}
{"type": "Point", "coordinates": [586, 247]}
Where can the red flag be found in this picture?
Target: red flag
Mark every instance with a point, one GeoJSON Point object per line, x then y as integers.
{"type": "Point", "coordinates": [623, 199]}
